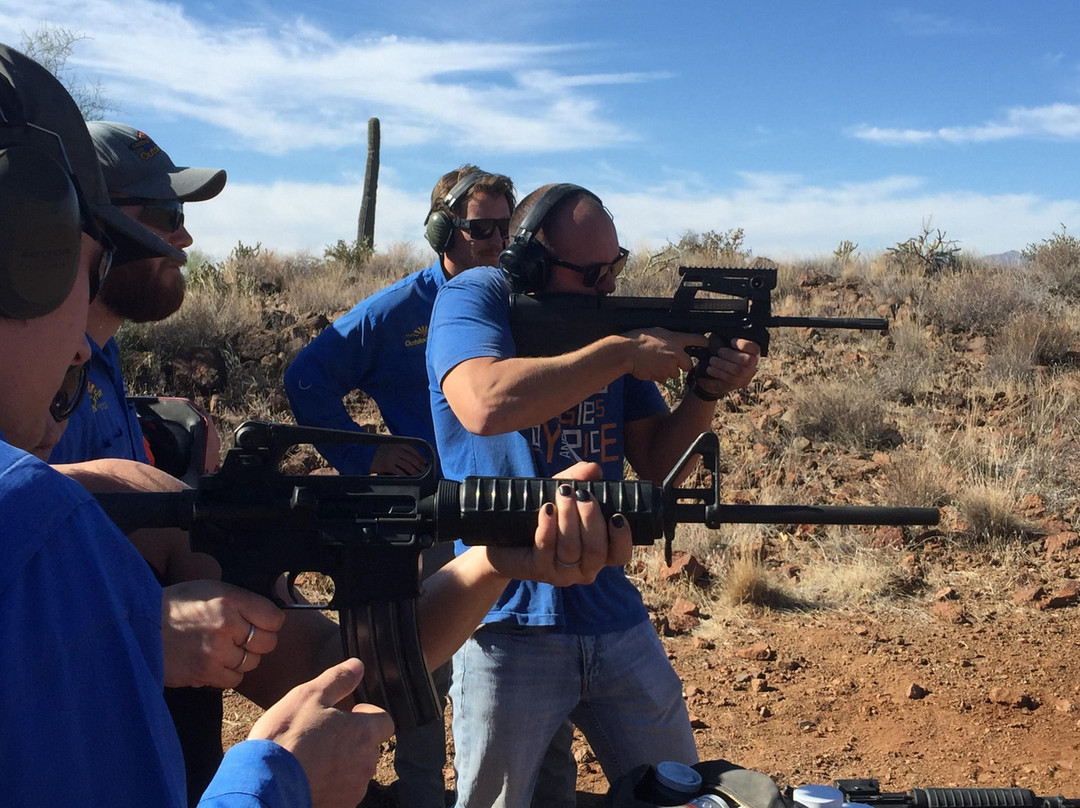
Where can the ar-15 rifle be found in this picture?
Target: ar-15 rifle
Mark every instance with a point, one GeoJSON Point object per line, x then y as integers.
{"type": "Point", "coordinates": [366, 534]}
{"type": "Point", "coordinates": [554, 324]}
{"type": "Point", "coordinates": [867, 792]}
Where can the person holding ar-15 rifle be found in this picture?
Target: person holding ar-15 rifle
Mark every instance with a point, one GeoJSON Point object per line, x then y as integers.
{"type": "Point", "coordinates": [80, 612]}
{"type": "Point", "coordinates": [585, 652]}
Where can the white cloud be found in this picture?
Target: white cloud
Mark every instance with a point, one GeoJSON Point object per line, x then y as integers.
{"type": "Point", "coordinates": [1054, 121]}
{"type": "Point", "coordinates": [921, 23]}
{"type": "Point", "coordinates": [289, 217]}
{"type": "Point", "coordinates": [783, 216]}
{"type": "Point", "coordinates": [301, 87]}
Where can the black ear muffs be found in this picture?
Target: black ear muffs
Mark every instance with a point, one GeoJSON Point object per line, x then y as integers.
{"type": "Point", "coordinates": [40, 222]}
{"type": "Point", "coordinates": [438, 226]}
{"type": "Point", "coordinates": [525, 261]}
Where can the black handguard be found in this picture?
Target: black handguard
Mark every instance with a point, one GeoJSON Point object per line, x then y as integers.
{"type": "Point", "coordinates": [366, 534]}
{"type": "Point", "coordinates": [867, 792]}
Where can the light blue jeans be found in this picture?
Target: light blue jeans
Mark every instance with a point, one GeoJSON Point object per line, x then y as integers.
{"type": "Point", "coordinates": [513, 687]}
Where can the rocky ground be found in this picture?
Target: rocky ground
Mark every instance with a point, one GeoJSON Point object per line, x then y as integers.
{"type": "Point", "coordinates": [951, 692]}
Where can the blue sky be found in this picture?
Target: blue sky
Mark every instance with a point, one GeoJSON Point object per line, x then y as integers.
{"type": "Point", "coordinates": [802, 123]}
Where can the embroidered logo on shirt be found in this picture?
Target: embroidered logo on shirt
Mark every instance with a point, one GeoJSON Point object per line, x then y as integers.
{"type": "Point", "coordinates": [94, 394]}
{"type": "Point", "coordinates": [417, 337]}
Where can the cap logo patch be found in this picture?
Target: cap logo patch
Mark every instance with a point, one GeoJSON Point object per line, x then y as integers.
{"type": "Point", "coordinates": [150, 148]}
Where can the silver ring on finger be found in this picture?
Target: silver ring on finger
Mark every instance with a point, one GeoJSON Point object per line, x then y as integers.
{"type": "Point", "coordinates": [243, 659]}
{"type": "Point", "coordinates": [250, 634]}
{"type": "Point", "coordinates": [562, 563]}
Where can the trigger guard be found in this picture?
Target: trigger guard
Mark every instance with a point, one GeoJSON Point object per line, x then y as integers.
{"type": "Point", "coordinates": [290, 586]}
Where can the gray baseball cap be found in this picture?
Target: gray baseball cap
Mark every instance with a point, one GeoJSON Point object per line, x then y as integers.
{"type": "Point", "coordinates": [134, 165]}
{"type": "Point", "coordinates": [31, 94]}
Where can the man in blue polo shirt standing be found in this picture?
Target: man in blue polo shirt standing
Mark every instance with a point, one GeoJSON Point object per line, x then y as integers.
{"type": "Point", "coordinates": [378, 347]}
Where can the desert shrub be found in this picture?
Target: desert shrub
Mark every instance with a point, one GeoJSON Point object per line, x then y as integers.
{"type": "Point", "coordinates": [845, 252]}
{"type": "Point", "coordinates": [353, 254]}
{"type": "Point", "coordinates": [1029, 340]}
{"type": "Point", "coordinates": [918, 479]}
{"type": "Point", "coordinates": [746, 581]}
{"type": "Point", "coordinates": [649, 274]}
{"type": "Point", "coordinates": [928, 253]}
{"type": "Point", "coordinates": [989, 513]}
{"type": "Point", "coordinates": [910, 367]}
{"type": "Point", "coordinates": [712, 248]}
{"type": "Point", "coordinates": [980, 301]}
{"type": "Point", "coordinates": [849, 413]}
{"type": "Point", "coordinates": [1058, 260]}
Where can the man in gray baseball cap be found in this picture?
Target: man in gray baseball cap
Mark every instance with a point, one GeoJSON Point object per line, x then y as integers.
{"type": "Point", "coordinates": [147, 188]}
{"type": "Point", "coordinates": [135, 166]}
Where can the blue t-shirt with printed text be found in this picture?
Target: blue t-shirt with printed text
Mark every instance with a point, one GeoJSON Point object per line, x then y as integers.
{"type": "Point", "coordinates": [471, 319]}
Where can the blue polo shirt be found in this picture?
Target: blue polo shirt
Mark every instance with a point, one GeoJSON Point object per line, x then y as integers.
{"type": "Point", "coordinates": [377, 347]}
{"type": "Point", "coordinates": [81, 685]}
{"type": "Point", "coordinates": [104, 424]}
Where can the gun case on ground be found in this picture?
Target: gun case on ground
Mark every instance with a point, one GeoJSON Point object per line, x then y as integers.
{"type": "Point", "coordinates": [366, 534]}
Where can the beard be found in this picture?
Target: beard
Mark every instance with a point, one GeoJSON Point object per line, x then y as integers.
{"type": "Point", "coordinates": [144, 291]}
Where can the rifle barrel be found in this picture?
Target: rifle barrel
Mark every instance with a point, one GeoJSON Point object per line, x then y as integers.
{"type": "Point", "coordinates": [808, 515]}
{"type": "Point", "coordinates": [856, 323]}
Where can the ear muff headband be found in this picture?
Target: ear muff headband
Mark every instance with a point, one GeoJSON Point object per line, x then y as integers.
{"type": "Point", "coordinates": [438, 227]}
{"type": "Point", "coordinates": [525, 261]}
{"type": "Point", "coordinates": [40, 221]}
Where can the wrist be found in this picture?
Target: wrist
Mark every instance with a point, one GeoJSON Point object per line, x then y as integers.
{"type": "Point", "coordinates": [700, 392]}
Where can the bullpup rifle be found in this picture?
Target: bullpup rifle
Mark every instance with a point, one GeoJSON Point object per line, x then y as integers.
{"type": "Point", "coordinates": [554, 324]}
{"type": "Point", "coordinates": [366, 533]}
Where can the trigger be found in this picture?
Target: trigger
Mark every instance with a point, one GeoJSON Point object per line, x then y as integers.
{"type": "Point", "coordinates": [699, 353]}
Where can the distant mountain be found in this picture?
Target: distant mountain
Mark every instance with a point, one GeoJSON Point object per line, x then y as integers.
{"type": "Point", "coordinates": [1012, 258]}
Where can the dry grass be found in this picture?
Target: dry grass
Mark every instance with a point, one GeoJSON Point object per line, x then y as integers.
{"type": "Point", "coordinates": [847, 412]}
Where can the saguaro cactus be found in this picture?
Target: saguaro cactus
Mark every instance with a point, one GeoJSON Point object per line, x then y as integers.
{"type": "Point", "coordinates": [365, 228]}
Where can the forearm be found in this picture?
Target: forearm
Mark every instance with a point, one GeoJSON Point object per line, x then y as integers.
{"type": "Point", "coordinates": [494, 396]}
{"type": "Point", "coordinates": [655, 445]}
{"type": "Point", "coordinates": [455, 601]}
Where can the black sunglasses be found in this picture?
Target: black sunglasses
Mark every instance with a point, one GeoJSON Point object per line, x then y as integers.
{"type": "Point", "coordinates": [481, 229]}
{"type": "Point", "coordinates": [592, 274]}
{"type": "Point", "coordinates": [70, 394]}
{"type": "Point", "coordinates": [166, 215]}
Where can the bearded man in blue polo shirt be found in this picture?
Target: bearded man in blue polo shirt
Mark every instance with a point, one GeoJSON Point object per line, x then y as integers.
{"type": "Point", "coordinates": [145, 184]}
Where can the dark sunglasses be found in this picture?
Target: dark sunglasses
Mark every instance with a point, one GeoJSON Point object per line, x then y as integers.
{"type": "Point", "coordinates": [166, 215]}
{"type": "Point", "coordinates": [70, 394]}
{"type": "Point", "coordinates": [481, 229]}
{"type": "Point", "coordinates": [592, 274]}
